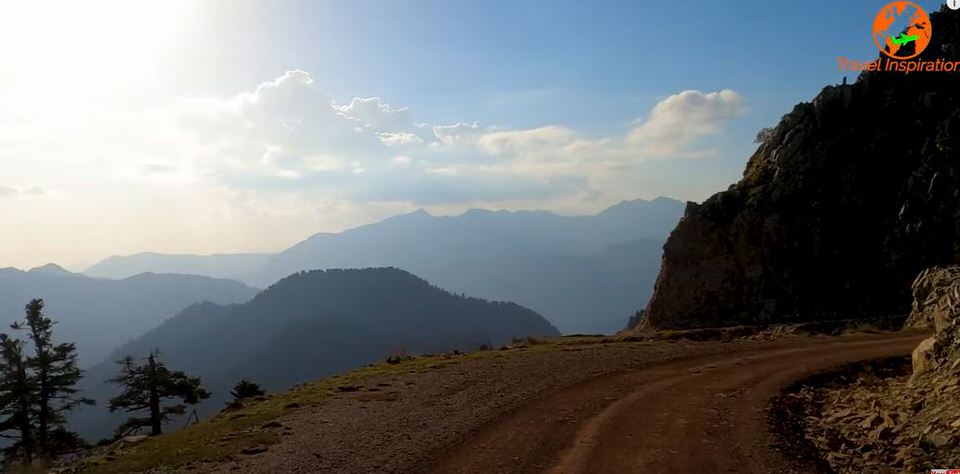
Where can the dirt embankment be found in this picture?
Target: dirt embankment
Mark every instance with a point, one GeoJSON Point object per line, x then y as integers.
{"type": "Point", "coordinates": [899, 415]}
{"type": "Point", "coordinates": [869, 418]}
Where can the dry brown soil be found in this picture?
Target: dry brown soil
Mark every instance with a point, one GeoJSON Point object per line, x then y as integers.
{"type": "Point", "coordinates": [623, 407]}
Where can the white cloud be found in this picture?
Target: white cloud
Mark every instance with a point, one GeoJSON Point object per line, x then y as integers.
{"type": "Point", "coordinates": [681, 119]}
{"type": "Point", "coordinates": [286, 135]}
{"type": "Point", "coordinates": [261, 168]}
{"type": "Point", "coordinates": [374, 113]}
{"type": "Point", "coordinates": [287, 130]}
{"type": "Point", "coordinates": [324, 163]}
{"type": "Point", "coordinates": [277, 94]}
{"type": "Point", "coordinates": [458, 133]}
{"type": "Point", "coordinates": [159, 168]}
{"type": "Point", "coordinates": [7, 191]}
{"type": "Point", "coordinates": [521, 142]}
{"type": "Point", "coordinates": [399, 138]}
{"type": "Point", "coordinates": [284, 127]}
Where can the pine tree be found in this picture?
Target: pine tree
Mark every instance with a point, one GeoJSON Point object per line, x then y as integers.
{"type": "Point", "coordinates": [246, 389]}
{"type": "Point", "coordinates": [636, 319]}
{"type": "Point", "coordinates": [16, 398]}
{"type": "Point", "coordinates": [146, 387]}
{"type": "Point", "coordinates": [55, 373]}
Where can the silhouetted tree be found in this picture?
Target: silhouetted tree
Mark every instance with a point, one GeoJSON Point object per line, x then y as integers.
{"type": "Point", "coordinates": [16, 398]}
{"type": "Point", "coordinates": [636, 319]}
{"type": "Point", "coordinates": [55, 373]}
{"type": "Point", "coordinates": [146, 387]}
{"type": "Point", "coordinates": [246, 389]}
{"type": "Point", "coordinates": [765, 134]}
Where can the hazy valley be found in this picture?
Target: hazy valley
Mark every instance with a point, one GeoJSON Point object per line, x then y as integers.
{"type": "Point", "coordinates": [585, 274]}
{"type": "Point", "coordinates": [100, 314]}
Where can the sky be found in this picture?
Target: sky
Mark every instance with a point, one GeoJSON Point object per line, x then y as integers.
{"type": "Point", "coordinates": [191, 126]}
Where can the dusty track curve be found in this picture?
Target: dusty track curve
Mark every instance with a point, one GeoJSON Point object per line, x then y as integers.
{"type": "Point", "coordinates": [597, 408]}
{"type": "Point", "coordinates": [702, 414]}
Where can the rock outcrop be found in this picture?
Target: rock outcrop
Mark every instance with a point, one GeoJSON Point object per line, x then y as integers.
{"type": "Point", "coordinates": [843, 203]}
{"type": "Point", "coordinates": [937, 306]}
{"type": "Point", "coordinates": [903, 422]}
{"type": "Point", "coordinates": [936, 298]}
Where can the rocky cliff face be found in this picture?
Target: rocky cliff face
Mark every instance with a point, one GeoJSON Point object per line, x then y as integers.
{"type": "Point", "coordinates": [844, 202]}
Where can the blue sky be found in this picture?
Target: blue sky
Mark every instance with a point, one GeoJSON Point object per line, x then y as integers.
{"type": "Point", "coordinates": [606, 59]}
{"type": "Point", "coordinates": [593, 66]}
{"type": "Point", "coordinates": [247, 125]}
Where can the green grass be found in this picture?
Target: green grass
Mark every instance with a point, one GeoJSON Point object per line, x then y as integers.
{"type": "Point", "coordinates": [222, 436]}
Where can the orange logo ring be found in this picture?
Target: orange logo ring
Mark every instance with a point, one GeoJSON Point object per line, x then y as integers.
{"type": "Point", "coordinates": [918, 30]}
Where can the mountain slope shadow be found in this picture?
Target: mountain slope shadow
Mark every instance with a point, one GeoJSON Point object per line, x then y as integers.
{"type": "Point", "coordinates": [312, 324]}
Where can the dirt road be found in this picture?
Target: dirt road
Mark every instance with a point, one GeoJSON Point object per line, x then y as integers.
{"type": "Point", "coordinates": [622, 407]}
{"type": "Point", "coordinates": [704, 414]}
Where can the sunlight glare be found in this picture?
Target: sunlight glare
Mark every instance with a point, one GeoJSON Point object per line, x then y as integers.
{"type": "Point", "coordinates": [51, 49]}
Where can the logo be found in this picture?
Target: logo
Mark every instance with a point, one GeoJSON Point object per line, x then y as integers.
{"type": "Point", "coordinates": [901, 30]}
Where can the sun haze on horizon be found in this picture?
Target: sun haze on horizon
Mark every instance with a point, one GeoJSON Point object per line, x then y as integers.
{"type": "Point", "coordinates": [246, 126]}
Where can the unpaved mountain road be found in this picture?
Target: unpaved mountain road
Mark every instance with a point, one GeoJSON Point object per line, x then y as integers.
{"type": "Point", "coordinates": [704, 414]}
{"type": "Point", "coordinates": [624, 407]}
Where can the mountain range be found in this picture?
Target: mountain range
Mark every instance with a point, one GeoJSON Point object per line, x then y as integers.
{"type": "Point", "coordinates": [100, 314]}
{"type": "Point", "coordinates": [583, 273]}
{"type": "Point", "coordinates": [309, 325]}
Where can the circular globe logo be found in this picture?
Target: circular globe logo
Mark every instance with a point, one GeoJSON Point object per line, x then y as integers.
{"type": "Point", "coordinates": [901, 30]}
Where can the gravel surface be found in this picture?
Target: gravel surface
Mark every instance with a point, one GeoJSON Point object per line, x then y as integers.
{"type": "Point", "coordinates": [614, 407]}
{"type": "Point", "coordinates": [402, 423]}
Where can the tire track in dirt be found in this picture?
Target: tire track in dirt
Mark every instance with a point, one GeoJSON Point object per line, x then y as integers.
{"type": "Point", "coordinates": [703, 414]}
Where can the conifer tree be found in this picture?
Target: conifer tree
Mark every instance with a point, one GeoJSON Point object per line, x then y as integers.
{"type": "Point", "coordinates": [146, 387]}
{"type": "Point", "coordinates": [16, 398]}
{"type": "Point", "coordinates": [246, 389]}
{"type": "Point", "coordinates": [55, 373]}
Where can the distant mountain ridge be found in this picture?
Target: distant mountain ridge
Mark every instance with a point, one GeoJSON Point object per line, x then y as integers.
{"type": "Point", "coordinates": [312, 324]}
{"type": "Point", "coordinates": [50, 269]}
{"type": "Point", "coordinates": [568, 268]}
{"type": "Point", "coordinates": [101, 314]}
{"type": "Point", "coordinates": [230, 266]}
